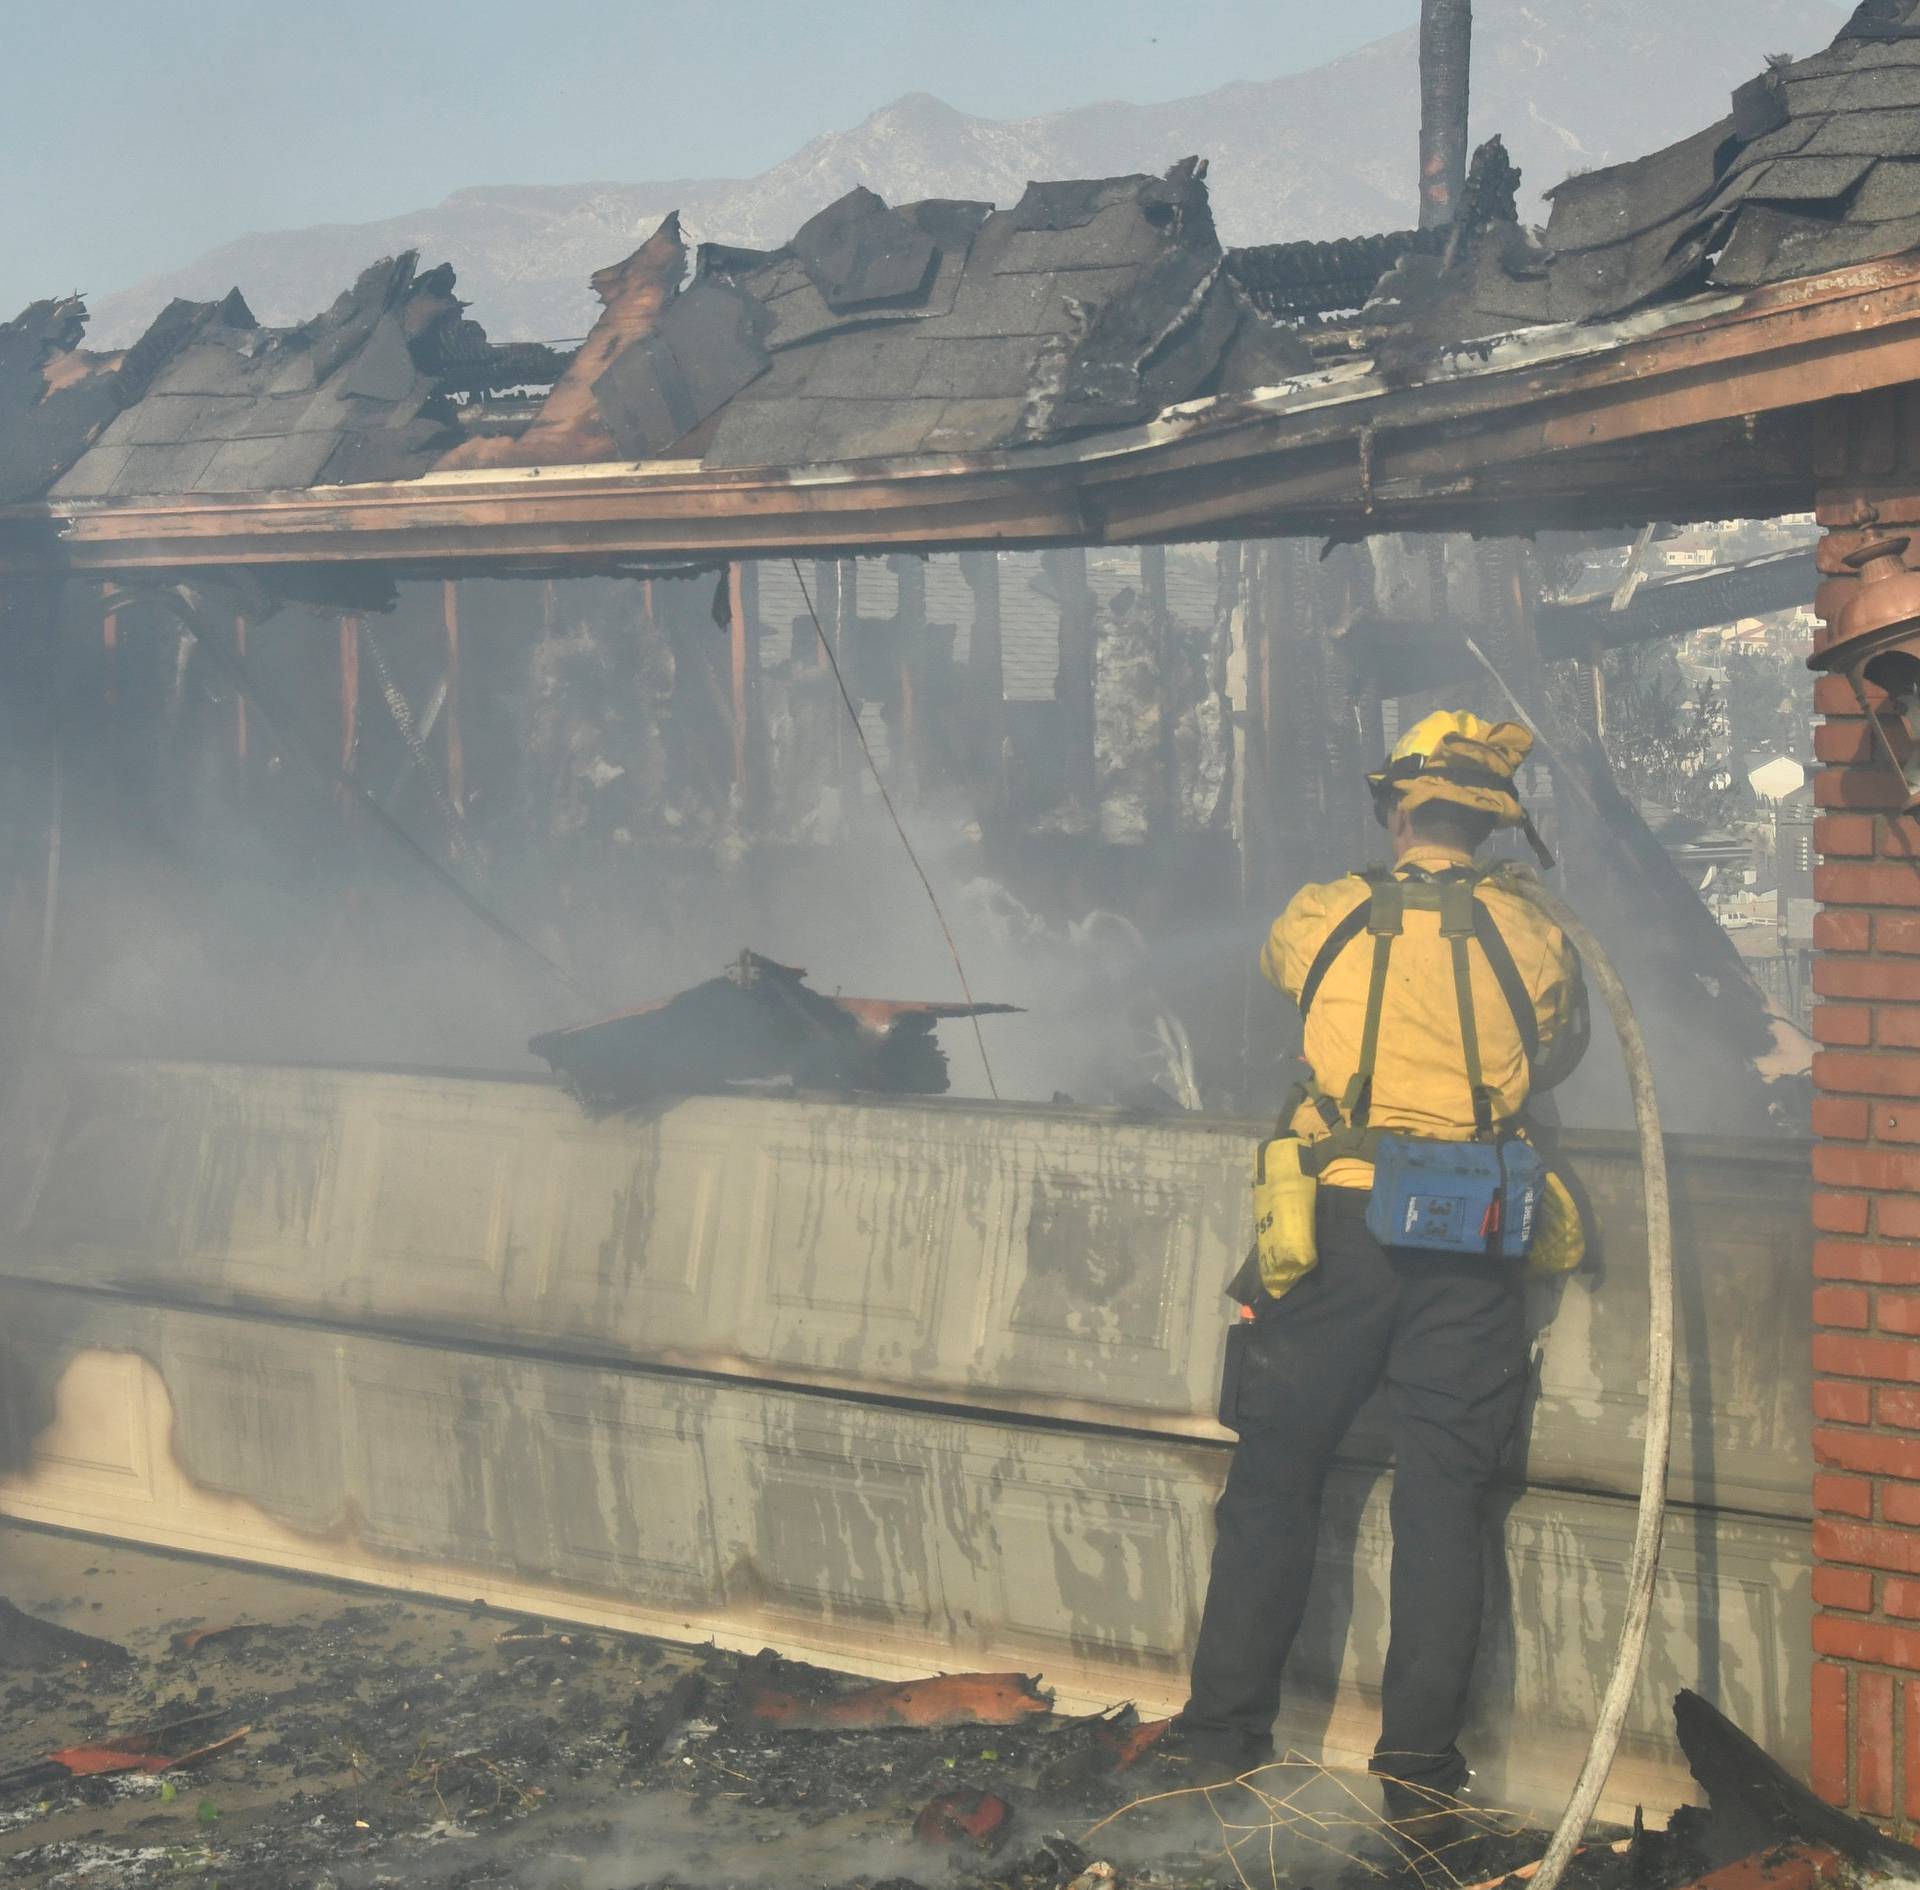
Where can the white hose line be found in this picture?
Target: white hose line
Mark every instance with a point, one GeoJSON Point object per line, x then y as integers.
{"type": "Point", "coordinates": [1612, 1717]}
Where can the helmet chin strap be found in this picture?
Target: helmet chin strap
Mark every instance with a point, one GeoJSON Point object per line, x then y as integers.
{"type": "Point", "coordinates": [1383, 792]}
{"type": "Point", "coordinates": [1541, 851]}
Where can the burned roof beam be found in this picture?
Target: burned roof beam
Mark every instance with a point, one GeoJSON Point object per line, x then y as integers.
{"type": "Point", "coordinates": [504, 364]}
{"type": "Point", "coordinates": [1291, 280]}
{"type": "Point", "coordinates": [1677, 606]}
{"type": "Point", "coordinates": [1404, 655]}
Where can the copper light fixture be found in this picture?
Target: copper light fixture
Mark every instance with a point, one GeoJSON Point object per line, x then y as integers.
{"type": "Point", "coordinates": [1876, 641]}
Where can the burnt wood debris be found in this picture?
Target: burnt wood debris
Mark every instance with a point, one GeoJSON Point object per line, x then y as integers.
{"type": "Point", "coordinates": [759, 1023]}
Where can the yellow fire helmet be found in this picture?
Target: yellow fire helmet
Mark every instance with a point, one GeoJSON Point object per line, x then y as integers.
{"type": "Point", "coordinates": [1452, 755]}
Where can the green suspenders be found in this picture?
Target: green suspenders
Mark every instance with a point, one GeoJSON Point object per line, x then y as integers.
{"type": "Point", "coordinates": [1381, 915]}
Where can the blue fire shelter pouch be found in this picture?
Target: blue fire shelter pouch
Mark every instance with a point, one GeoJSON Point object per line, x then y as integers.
{"type": "Point", "coordinates": [1456, 1197]}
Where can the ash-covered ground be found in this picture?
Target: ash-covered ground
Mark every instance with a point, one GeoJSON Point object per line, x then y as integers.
{"type": "Point", "coordinates": [405, 1742]}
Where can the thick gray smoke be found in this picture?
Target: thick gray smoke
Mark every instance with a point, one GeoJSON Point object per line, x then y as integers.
{"type": "Point", "coordinates": [218, 898]}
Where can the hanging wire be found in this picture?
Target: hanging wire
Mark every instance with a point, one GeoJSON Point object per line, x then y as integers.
{"type": "Point", "coordinates": [886, 800]}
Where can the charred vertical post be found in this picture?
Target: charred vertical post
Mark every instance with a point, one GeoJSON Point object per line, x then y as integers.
{"type": "Point", "coordinates": [910, 650]}
{"type": "Point", "coordinates": [743, 612]}
{"type": "Point", "coordinates": [986, 664]}
{"type": "Point", "coordinates": [1153, 578]}
{"type": "Point", "coordinates": [29, 705]}
{"type": "Point", "coordinates": [456, 765]}
{"type": "Point", "coordinates": [1073, 684]}
{"type": "Point", "coordinates": [846, 629]}
{"type": "Point", "coordinates": [1241, 570]}
{"type": "Point", "coordinates": [739, 673]}
{"type": "Point", "coordinates": [826, 607]}
{"type": "Point", "coordinates": [110, 651]}
{"type": "Point", "coordinates": [1446, 59]}
{"type": "Point", "coordinates": [240, 695]}
{"type": "Point", "coordinates": [349, 693]}
{"type": "Point", "coordinates": [1286, 716]}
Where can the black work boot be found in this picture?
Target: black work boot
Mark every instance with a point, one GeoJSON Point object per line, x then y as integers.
{"type": "Point", "coordinates": [1207, 1755]}
{"type": "Point", "coordinates": [1425, 1824]}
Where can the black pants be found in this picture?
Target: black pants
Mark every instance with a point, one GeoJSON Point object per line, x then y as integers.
{"type": "Point", "coordinates": [1448, 1336]}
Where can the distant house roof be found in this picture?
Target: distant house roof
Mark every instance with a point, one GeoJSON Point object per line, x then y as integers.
{"type": "Point", "coordinates": [1775, 778]}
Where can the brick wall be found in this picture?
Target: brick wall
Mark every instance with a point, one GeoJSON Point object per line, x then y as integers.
{"type": "Point", "coordinates": [1866, 1295]}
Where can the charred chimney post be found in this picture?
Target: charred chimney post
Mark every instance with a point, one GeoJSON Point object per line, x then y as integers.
{"type": "Point", "coordinates": [1446, 58]}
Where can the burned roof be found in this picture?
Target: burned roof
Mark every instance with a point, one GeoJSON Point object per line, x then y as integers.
{"type": "Point", "coordinates": [878, 330]}
{"type": "Point", "coordinates": [954, 329]}
{"type": "Point", "coordinates": [1816, 166]}
{"type": "Point", "coordinates": [56, 397]}
{"type": "Point", "coordinates": [938, 327]}
{"type": "Point", "coordinates": [348, 396]}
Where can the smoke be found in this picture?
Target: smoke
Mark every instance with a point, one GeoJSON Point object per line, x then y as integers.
{"type": "Point", "coordinates": [1281, 1831]}
{"type": "Point", "coordinates": [218, 898]}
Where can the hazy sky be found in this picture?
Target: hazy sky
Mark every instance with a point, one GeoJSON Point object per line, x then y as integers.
{"type": "Point", "coordinates": [138, 133]}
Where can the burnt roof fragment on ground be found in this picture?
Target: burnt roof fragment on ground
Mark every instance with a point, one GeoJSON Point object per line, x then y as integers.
{"type": "Point", "coordinates": [757, 1023]}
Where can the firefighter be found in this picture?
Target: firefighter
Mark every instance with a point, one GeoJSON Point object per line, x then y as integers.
{"type": "Point", "coordinates": [1435, 1000]}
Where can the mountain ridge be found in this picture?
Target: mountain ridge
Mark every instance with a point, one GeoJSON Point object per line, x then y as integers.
{"type": "Point", "coordinates": [1571, 84]}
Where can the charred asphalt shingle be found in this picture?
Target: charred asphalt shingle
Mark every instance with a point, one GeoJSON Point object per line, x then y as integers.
{"type": "Point", "coordinates": [1817, 167]}
{"type": "Point", "coordinates": [951, 327]}
{"type": "Point", "coordinates": [946, 327]}
{"type": "Point", "coordinates": [234, 407]}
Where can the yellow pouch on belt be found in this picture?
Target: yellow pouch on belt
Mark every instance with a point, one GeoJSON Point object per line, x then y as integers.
{"type": "Point", "coordinates": [1284, 1196]}
{"type": "Point", "coordinates": [1559, 1239]}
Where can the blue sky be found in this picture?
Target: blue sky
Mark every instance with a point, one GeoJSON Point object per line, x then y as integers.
{"type": "Point", "coordinates": [138, 133]}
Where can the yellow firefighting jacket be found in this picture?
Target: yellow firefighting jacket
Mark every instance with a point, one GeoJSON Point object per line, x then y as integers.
{"type": "Point", "coordinates": [1420, 1085]}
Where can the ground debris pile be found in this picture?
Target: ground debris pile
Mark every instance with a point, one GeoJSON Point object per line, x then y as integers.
{"type": "Point", "coordinates": [442, 1747]}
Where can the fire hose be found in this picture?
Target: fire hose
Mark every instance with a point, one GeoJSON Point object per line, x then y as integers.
{"type": "Point", "coordinates": [1644, 1562]}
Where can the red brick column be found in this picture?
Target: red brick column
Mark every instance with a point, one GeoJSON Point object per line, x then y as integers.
{"type": "Point", "coordinates": [1866, 1208]}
